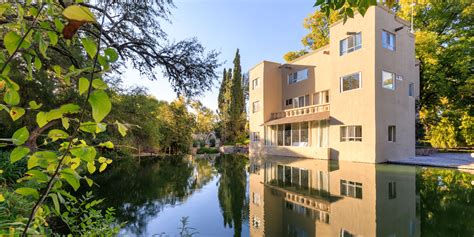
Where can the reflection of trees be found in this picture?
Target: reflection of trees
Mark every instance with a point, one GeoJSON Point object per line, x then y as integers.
{"type": "Point", "coordinates": [447, 202]}
{"type": "Point", "coordinates": [232, 190]}
{"type": "Point", "coordinates": [140, 191]}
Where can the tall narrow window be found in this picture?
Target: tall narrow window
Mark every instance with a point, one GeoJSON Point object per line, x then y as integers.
{"type": "Point", "coordinates": [388, 40]}
{"type": "Point", "coordinates": [304, 134]}
{"type": "Point", "coordinates": [256, 106]}
{"type": "Point", "coordinates": [280, 135]}
{"type": "Point", "coordinates": [295, 134]}
{"type": "Point", "coordinates": [287, 134]}
{"type": "Point", "coordinates": [411, 89]}
{"type": "Point", "coordinates": [350, 82]}
{"type": "Point", "coordinates": [255, 83]}
{"type": "Point", "coordinates": [392, 133]}
{"type": "Point", "coordinates": [392, 190]}
{"type": "Point", "coordinates": [388, 80]}
{"type": "Point", "coordinates": [350, 44]}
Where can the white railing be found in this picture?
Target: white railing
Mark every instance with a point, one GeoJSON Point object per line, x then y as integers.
{"type": "Point", "coordinates": [301, 111]}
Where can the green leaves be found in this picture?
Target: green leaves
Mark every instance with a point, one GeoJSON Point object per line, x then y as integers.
{"type": "Point", "coordinates": [27, 192]}
{"type": "Point", "coordinates": [99, 84]}
{"type": "Point", "coordinates": [16, 113]}
{"type": "Point", "coordinates": [84, 153]}
{"type": "Point", "coordinates": [34, 105]}
{"type": "Point", "coordinates": [83, 85]}
{"type": "Point", "coordinates": [20, 136]}
{"type": "Point", "coordinates": [12, 97]}
{"type": "Point", "coordinates": [57, 134]}
{"type": "Point", "coordinates": [100, 103]}
{"type": "Point", "coordinates": [121, 128]}
{"type": "Point", "coordinates": [89, 46]}
{"type": "Point", "coordinates": [108, 144]}
{"type": "Point", "coordinates": [71, 177]}
{"type": "Point", "coordinates": [12, 42]}
{"type": "Point", "coordinates": [18, 153]}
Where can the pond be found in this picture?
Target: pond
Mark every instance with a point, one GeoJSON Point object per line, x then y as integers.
{"type": "Point", "coordinates": [230, 195]}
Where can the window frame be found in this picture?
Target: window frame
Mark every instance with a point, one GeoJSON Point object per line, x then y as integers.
{"type": "Point", "coordinates": [256, 136]}
{"type": "Point", "coordinates": [345, 132]}
{"type": "Point", "coordinates": [411, 89]}
{"type": "Point", "coordinates": [257, 84]}
{"type": "Point", "coordinates": [295, 79]}
{"type": "Point", "coordinates": [354, 47]}
{"type": "Point", "coordinates": [341, 84]}
{"type": "Point", "coordinates": [256, 109]}
{"type": "Point", "coordinates": [392, 133]}
{"type": "Point", "coordinates": [394, 79]}
{"type": "Point", "coordinates": [388, 46]}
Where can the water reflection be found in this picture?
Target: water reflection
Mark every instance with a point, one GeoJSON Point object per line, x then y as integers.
{"type": "Point", "coordinates": [287, 197]}
{"type": "Point", "coordinates": [304, 197]}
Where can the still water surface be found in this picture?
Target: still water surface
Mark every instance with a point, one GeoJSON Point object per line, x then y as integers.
{"type": "Point", "coordinates": [276, 196]}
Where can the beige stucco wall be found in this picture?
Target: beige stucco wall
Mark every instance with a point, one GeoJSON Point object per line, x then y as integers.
{"type": "Point", "coordinates": [371, 106]}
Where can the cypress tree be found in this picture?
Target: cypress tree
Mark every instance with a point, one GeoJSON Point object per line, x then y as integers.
{"type": "Point", "coordinates": [237, 99]}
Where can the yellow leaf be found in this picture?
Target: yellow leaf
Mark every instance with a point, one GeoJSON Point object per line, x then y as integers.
{"type": "Point", "coordinates": [91, 167]}
{"type": "Point", "coordinates": [102, 167]}
{"type": "Point", "coordinates": [78, 13]}
{"type": "Point", "coordinates": [102, 159]}
{"type": "Point", "coordinates": [2, 199]}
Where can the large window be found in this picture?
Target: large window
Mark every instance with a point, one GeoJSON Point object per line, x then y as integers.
{"type": "Point", "coordinates": [298, 76]}
{"type": "Point", "coordinates": [388, 80]}
{"type": "Point", "coordinates": [350, 82]}
{"type": "Point", "coordinates": [388, 40]}
{"type": "Point", "coordinates": [291, 134]}
{"type": "Point", "coordinates": [350, 44]}
{"type": "Point", "coordinates": [255, 83]}
{"type": "Point", "coordinates": [351, 133]}
{"type": "Point", "coordinates": [256, 106]}
{"type": "Point", "coordinates": [392, 133]}
{"type": "Point", "coordinates": [351, 189]}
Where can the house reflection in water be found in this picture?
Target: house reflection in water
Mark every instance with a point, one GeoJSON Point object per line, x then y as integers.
{"type": "Point", "coordinates": [308, 197]}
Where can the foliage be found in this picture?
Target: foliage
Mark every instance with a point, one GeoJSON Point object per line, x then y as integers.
{"type": "Point", "coordinates": [446, 202]}
{"type": "Point", "coordinates": [55, 59]}
{"type": "Point", "coordinates": [292, 55]}
{"type": "Point", "coordinates": [231, 103]}
{"type": "Point", "coordinates": [205, 118]}
{"type": "Point", "coordinates": [207, 150]}
{"type": "Point", "coordinates": [84, 216]}
{"type": "Point", "coordinates": [232, 186]}
{"type": "Point", "coordinates": [212, 142]}
{"type": "Point", "coordinates": [444, 134]}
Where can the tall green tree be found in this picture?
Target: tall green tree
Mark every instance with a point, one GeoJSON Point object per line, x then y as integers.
{"type": "Point", "coordinates": [237, 100]}
{"type": "Point", "coordinates": [225, 94]}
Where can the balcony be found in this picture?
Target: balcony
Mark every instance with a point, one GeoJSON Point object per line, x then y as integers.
{"type": "Point", "coordinates": [312, 109]}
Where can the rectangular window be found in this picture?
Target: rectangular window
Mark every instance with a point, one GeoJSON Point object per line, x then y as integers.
{"type": "Point", "coordinates": [288, 102]}
{"type": "Point", "coordinates": [350, 82]}
{"type": "Point", "coordinates": [351, 189]}
{"type": "Point", "coordinates": [392, 133]}
{"type": "Point", "coordinates": [351, 133]}
{"type": "Point", "coordinates": [388, 80]}
{"type": "Point", "coordinates": [295, 134]}
{"type": "Point", "coordinates": [280, 135]}
{"type": "Point", "coordinates": [298, 76]}
{"type": "Point", "coordinates": [255, 83]}
{"type": "Point", "coordinates": [301, 101]}
{"type": "Point", "coordinates": [321, 97]}
{"type": "Point", "coordinates": [304, 138]}
{"type": "Point", "coordinates": [350, 44]}
{"type": "Point", "coordinates": [388, 40]}
{"type": "Point", "coordinates": [256, 136]}
{"type": "Point", "coordinates": [392, 190]}
{"type": "Point", "coordinates": [287, 134]}
{"type": "Point", "coordinates": [256, 106]}
{"type": "Point", "coordinates": [411, 89]}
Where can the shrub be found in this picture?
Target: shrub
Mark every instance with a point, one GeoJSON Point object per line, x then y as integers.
{"type": "Point", "coordinates": [207, 150]}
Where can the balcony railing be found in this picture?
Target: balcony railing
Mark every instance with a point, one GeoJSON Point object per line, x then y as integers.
{"type": "Point", "coordinates": [301, 111]}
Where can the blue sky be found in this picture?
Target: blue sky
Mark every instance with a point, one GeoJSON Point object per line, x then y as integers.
{"type": "Point", "coordinates": [261, 29]}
